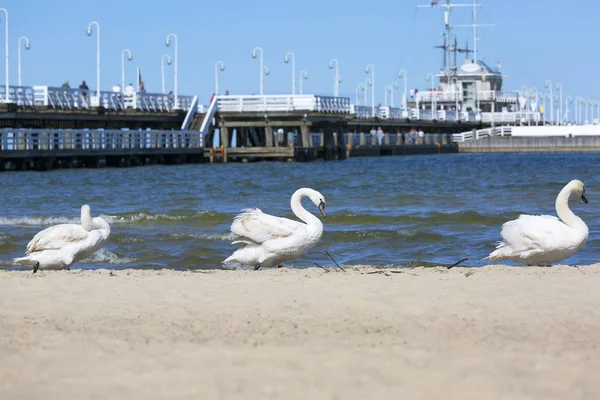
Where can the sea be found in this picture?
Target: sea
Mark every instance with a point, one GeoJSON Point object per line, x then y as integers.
{"type": "Point", "coordinates": [384, 211]}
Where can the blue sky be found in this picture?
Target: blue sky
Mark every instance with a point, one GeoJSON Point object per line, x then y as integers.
{"type": "Point", "coordinates": [533, 41]}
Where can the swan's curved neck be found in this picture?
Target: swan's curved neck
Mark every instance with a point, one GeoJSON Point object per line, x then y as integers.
{"type": "Point", "coordinates": [102, 225]}
{"type": "Point", "coordinates": [565, 213]}
{"type": "Point", "coordinates": [300, 212]}
{"type": "Point", "coordinates": [86, 219]}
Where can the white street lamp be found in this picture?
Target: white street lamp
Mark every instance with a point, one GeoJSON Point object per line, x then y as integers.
{"type": "Point", "coordinates": [548, 85]}
{"type": "Point", "coordinates": [6, 98]}
{"type": "Point", "coordinates": [387, 89]}
{"type": "Point", "coordinates": [431, 77]}
{"type": "Point", "coordinates": [367, 83]}
{"type": "Point", "coordinates": [371, 68]}
{"type": "Point", "coordinates": [129, 57]}
{"type": "Point", "coordinates": [559, 87]}
{"type": "Point", "coordinates": [336, 77]}
{"type": "Point", "coordinates": [168, 43]}
{"type": "Point", "coordinates": [218, 66]}
{"type": "Point", "coordinates": [568, 100]}
{"type": "Point", "coordinates": [403, 74]}
{"type": "Point", "coordinates": [162, 70]}
{"type": "Point", "coordinates": [392, 86]}
{"type": "Point", "coordinates": [359, 87]}
{"type": "Point", "coordinates": [89, 33]}
{"type": "Point", "coordinates": [303, 75]}
{"type": "Point", "coordinates": [261, 66]}
{"type": "Point", "coordinates": [286, 60]}
{"type": "Point", "coordinates": [27, 47]}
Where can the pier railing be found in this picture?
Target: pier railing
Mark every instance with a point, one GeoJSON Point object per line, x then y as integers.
{"type": "Point", "coordinates": [283, 103]}
{"type": "Point", "coordinates": [482, 133]}
{"type": "Point", "coordinates": [122, 141]}
{"type": "Point", "coordinates": [21, 95]}
{"type": "Point", "coordinates": [83, 99]}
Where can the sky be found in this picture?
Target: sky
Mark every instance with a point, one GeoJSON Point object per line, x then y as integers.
{"type": "Point", "coordinates": [534, 41]}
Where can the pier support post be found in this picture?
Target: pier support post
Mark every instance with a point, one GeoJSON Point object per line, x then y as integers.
{"type": "Point", "coordinates": [268, 136]}
{"type": "Point", "coordinates": [224, 142]}
{"type": "Point", "coordinates": [305, 136]}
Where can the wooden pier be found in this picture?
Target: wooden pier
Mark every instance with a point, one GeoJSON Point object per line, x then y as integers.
{"type": "Point", "coordinates": [62, 133]}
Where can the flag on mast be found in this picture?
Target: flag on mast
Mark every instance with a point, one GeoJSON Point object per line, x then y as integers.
{"type": "Point", "coordinates": [434, 3]}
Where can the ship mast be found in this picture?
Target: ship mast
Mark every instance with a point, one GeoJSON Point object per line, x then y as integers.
{"type": "Point", "coordinates": [475, 25]}
{"type": "Point", "coordinates": [448, 26]}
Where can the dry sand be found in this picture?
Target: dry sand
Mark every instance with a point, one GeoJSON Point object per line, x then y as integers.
{"type": "Point", "coordinates": [487, 333]}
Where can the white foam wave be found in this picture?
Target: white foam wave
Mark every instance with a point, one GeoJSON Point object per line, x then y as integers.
{"type": "Point", "coordinates": [104, 256]}
{"type": "Point", "coordinates": [212, 236]}
{"type": "Point", "coordinates": [38, 221]}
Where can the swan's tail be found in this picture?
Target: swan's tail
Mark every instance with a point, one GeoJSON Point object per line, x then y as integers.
{"type": "Point", "coordinates": [503, 252]}
{"type": "Point", "coordinates": [24, 261]}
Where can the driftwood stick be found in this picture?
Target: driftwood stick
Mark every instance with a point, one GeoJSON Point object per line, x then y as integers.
{"type": "Point", "coordinates": [338, 265]}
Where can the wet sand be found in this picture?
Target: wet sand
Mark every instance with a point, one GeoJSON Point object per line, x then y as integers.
{"type": "Point", "coordinates": [487, 333]}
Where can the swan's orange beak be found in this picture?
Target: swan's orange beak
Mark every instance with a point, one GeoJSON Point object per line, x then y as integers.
{"type": "Point", "coordinates": [584, 198]}
{"type": "Point", "coordinates": [322, 209]}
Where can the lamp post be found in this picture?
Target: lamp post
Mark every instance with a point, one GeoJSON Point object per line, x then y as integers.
{"type": "Point", "coordinates": [27, 47]}
{"type": "Point", "coordinates": [129, 57]}
{"type": "Point", "coordinates": [168, 43]}
{"type": "Point", "coordinates": [559, 87]}
{"type": "Point", "coordinates": [387, 89]}
{"type": "Point", "coordinates": [162, 70]}
{"type": "Point", "coordinates": [431, 78]}
{"type": "Point", "coordinates": [303, 75]}
{"type": "Point", "coordinates": [392, 86]}
{"type": "Point", "coordinates": [403, 74]}
{"type": "Point", "coordinates": [261, 66]}
{"type": "Point", "coordinates": [218, 66]}
{"type": "Point", "coordinates": [89, 33]}
{"type": "Point", "coordinates": [367, 83]}
{"type": "Point", "coordinates": [548, 85]}
{"type": "Point", "coordinates": [6, 99]}
{"type": "Point", "coordinates": [286, 60]}
{"type": "Point", "coordinates": [568, 100]}
{"type": "Point", "coordinates": [360, 87]}
{"type": "Point", "coordinates": [336, 77]}
{"type": "Point", "coordinates": [371, 68]}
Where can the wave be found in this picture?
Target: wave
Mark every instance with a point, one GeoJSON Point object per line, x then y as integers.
{"type": "Point", "coordinates": [406, 235]}
{"type": "Point", "coordinates": [104, 256]}
{"type": "Point", "coordinates": [463, 217]}
{"type": "Point", "coordinates": [203, 218]}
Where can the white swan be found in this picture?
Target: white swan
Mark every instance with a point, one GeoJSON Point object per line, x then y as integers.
{"type": "Point", "coordinates": [269, 241]}
{"type": "Point", "coordinates": [60, 246]}
{"type": "Point", "coordinates": [544, 239]}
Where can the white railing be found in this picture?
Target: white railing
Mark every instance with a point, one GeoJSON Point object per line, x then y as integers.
{"type": "Point", "coordinates": [119, 141]}
{"type": "Point", "coordinates": [283, 103]}
{"type": "Point", "coordinates": [482, 133]}
{"type": "Point", "coordinates": [21, 95]}
{"type": "Point", "coordinates": [189, 117]}
{"type": "Point", "coordinates": [209, 117]}
{"type": "Point", "coordinates": [441, 96]}
{"type": "Point", "coordinates": [511, 117]}
{"type": "Point", "coordinates": [78, 99]}
{"type": "Point", "coordinates": [330, 104]}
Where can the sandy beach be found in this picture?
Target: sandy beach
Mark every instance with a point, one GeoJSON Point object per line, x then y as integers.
{"type": "Point", "coordinates": [495, 332]}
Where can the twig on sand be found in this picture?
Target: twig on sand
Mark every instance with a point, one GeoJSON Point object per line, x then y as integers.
{"type": "Point", "coordinates": [384, 271]}
{"type": "Point", "coordinates": [320, 266]}
{"type": "Point", "coordinates": [458, 262]}
{"type": "Point", "coordinates": [337, 265]}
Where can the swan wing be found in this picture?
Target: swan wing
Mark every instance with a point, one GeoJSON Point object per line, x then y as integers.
{"type": "Point", "coordinates": [252, 226]}
{"type": "Point", "coordinates": [535, 233]}
{"type": "Point", "coordinates": [56, 237]}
